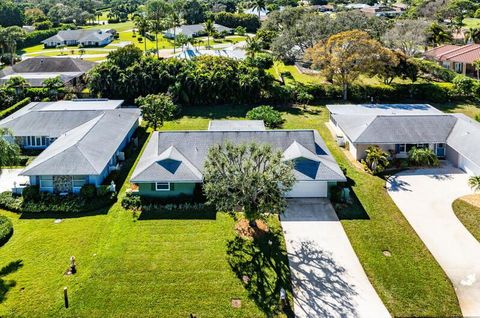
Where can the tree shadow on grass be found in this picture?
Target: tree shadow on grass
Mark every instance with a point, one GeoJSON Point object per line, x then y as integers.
{"type": "Point", "coordinates": [6, 285]}
{"type": "Point", "coordinates": [320, 286]}
{"type": "Point", "coordinates": [263, 269]}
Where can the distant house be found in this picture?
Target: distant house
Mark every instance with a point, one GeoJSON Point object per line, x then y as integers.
{"type": "Point", "coordinates": [397, 128]}
{"type": "Point", "coordinates": [83, 37]}
{"type": "Point", "coordinates": [381, 11]}
{"type": "Point", "coordinates": [37, 69]}
{"type": "Point", "coordinates": [172, 163]}
{"type": "Point", "coordinates": [82, 141]}
{"type": "Point", "coordinates": [457, 58]}
{"type": "Point", "coordinates": [194, 30]}
{"type": "Point", "coordinates": [191, 53]}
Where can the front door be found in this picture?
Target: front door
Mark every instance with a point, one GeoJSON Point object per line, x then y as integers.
{"type": "Point", "coordinates": [440, 150]}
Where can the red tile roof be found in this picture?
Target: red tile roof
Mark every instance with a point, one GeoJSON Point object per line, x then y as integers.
{"type": "Point", "coordinates": [461, 54]}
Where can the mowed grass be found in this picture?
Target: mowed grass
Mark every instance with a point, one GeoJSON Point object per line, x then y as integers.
{"type": "Point", "coordinates": [127, 267]}
{"type": "Point", "coordinates": [470, 109]}
{"type": "Point", "coordinates": [410, 282]}
{"type": "Point", "coordinates": [469, 215]}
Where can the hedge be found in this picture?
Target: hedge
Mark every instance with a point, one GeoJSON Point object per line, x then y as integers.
{"type": "Point", "coordinates": [433, 68]}
{"type": "Point", "coordinates": [6, 229]}
{"type": "Point", "coordinates": [233, 20]}
{"type": "Point", "coordinates": [10, 110]}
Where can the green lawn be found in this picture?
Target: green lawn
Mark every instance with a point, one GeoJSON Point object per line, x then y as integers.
{"type": "Point", "coordinates": [136, 266]}
{"type": "Point", "coordinates": [471, 109]}
{"type": "Point", "coordinates": [410, 282]}
{"type": "Point", "coordinates": [471, 22]}
{"type": "Point", "coordinates": [469, 215]}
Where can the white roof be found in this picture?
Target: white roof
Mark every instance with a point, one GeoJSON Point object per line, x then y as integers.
{"type": "Point", "coordinates": [83, 104]}
{"type": "Point", "coordinates": [41, 75]}
{"type": "Point", "coordinates": [383, 109]}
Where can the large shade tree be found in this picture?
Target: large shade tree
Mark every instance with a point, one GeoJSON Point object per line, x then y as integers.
{"type": "Point", "coordinates": [156, 109]}
{"type": "Point", "coordinates": [347, 55]}
{"type": "Point", "coordinates": [250, 176]}
{"type": "Point", "coordinates": [408, 35]}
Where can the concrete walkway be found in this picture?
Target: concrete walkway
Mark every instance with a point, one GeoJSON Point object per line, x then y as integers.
{"type": "Point", "coordinates": [327, 278]}
{"type": "Point", "coordinates": [425, 198]}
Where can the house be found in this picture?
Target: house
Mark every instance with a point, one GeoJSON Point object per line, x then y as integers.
{"type": "Point", "coordinates": [233, 52]}
{"type": "Point", "coordinates": [381, 11]}
{"type": "Point", "coordinates": [82, 37]}
{"type": "Point", "coordinates": [397, 128]}
{"type": "Point", "coordinates": [457, 58]}
{"type": "Point", "coordinates": [37, 69]}
{"type": "Point", "coordinates": [81, 141]}
{"type": "Point", "coordinates": [172, 163]}
{"type": "Point", "coordinates": [195, 30]}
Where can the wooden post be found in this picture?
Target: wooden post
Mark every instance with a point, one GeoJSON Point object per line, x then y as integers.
{"type": "Point", "coordinates": [65, 296]}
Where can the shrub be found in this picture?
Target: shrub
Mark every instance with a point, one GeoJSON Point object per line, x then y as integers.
{"type": "Point", "coordinates": [271, 117]}
{"type": "Point", "coordinates": [434, 69]}
{"type": "Point", "coordinates": [464, 85]}
{"type": "Point", "coordinates": [233, 20]}
{"type": "Point", "coordinates": [131, 202]}
{"type": "Point", "coordinates": [477, 117]}
{"type": "Point", "coordinates": [376, 160]}
{"type": "Point", "coordinates": [31, 193]}
{"type": "Point", "coordinates": [44, 25]}
{"type": "Point", "coordinates": [261, 60]}
{"type": "Point", "coordinates": [88, 191]}
{"type": "Point", "coordinates": [10, 110]}
{"type": "Point", "coordinates": [423, 157]}
{"type": "Point", "coordinates": [6, 229]}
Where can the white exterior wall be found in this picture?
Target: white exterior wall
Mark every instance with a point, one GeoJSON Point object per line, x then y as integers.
{"type": "Point", "coordinates": [468, 166]}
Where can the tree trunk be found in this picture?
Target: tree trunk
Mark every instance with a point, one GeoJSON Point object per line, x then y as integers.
{"type": "Point", "coordinates": [156, 40]}
{"type": "Point", "coordinates": [345, 91]}
{"type": "Point", "coordinates": [174, 38]}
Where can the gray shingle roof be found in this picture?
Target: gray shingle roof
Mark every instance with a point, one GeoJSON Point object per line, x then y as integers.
{"type": "Point", "coordinates": [79, 35]}
{"type": "Point", "coordinates": [465, 138]}
{"type": "Point", "coordinates": [37, 69]}
{"type": "Point", "coordinates": [87, 148]}
{"type": "Point", "coordinates": [194, 145]}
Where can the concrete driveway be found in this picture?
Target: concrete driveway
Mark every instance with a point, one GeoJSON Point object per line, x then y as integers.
{"type": "Point", "coordinates": [8, 177]}
{"type": "Point", "coordinates": [327, 278]}
{"type": "Point", "coordinates": [425, 197]}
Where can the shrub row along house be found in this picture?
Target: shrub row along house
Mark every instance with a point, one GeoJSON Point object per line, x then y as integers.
{"type": "Point", "coordinates": [83, 37]}
{"type": "Point", "coordinates": [397, 128]}
{"type": "Point", "coordinates": [36, 70]}
{"type": "Point", "coordinates": [172, 163]}
{"type": "Point", "coordinates": [82, 141]}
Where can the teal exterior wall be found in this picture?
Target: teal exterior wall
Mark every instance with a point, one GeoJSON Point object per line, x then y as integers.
{"type": "Point", "coordinates": [176, 189]}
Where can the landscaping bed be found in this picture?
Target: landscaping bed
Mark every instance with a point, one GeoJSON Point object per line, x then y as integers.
{"type": "Point", "coordinates": [467, 210]}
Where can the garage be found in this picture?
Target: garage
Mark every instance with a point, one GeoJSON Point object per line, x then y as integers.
{"type": "Point", "coordinates": [468, 166]}
{"type": "Point", "coordinates": [309, 189]}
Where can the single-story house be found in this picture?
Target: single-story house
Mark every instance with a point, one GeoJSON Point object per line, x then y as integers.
{"type": "Point", "coordinates": [83, 37]}
{"type": "Point", "coordinates": [397, 128]}
{"type": "Point", "coordinates": [457, 58]}
{"type": "Point", "coordinates": [381, 11]}
{"type": "Point", "coordinates": [232, 52]}
{"type": "Point", "coordinates": [195, 30]}
{"type": "Point", "coordinates": [172, 163]}
{"type": "Point", "coordinates": [82, 141]}
{"type": "Point", "coordinates": [36, 70]}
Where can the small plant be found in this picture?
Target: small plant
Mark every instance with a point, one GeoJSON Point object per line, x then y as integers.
{"type": "Point", "coordinates": [474, 183]}
{"type": "Point", "coordinates": [477, 117]}
{"type": "Point", "coordinates": [271, 117]}
{"type": "Point", "coordinates": [31, 193]}
{"type": "Point", "coordinates": [131, 202]}
{"type": "Point", "coordinates": [423, 157]}
{"type": "Point", "coordinates": [88, 191]}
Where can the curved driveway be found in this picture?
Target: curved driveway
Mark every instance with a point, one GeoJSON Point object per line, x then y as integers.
{"type": "Point", "coordinates": [425, 197]}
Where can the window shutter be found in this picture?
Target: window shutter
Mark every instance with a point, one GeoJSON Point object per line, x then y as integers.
{"type": "Point", "coordinates": [154, 187]}
{"type": "Point", "coordinates": [172, 186]}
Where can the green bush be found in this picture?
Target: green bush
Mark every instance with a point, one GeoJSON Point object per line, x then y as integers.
{"type": "Point", "coordinates": [261, 60]}
{"type": "Point", "coordinates": [6, 229]}
{"type": "Point", "coordinates": [88, 191]}
{"type": "Point", "coordinates": [464, 86]}
{"type": "Point", "coordinates": [48, 202]}
{"type": "Point", "coordinates": [10, 110]}
{"type": "Point", "coordinates": [271, 117]}
{"type": "Point", "coordinates": [131, 202]}
{"type": "Point", "coordinates": [31, 193]}
{"type": "Point", "coordinates": [434, 69]}
{"type": "Point", "coordinates": [250, 22]}
{"type": "Point", "coordinates": [423, 157]}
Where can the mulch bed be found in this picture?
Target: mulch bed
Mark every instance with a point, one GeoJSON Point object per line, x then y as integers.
{"type": "Point", "coordinates": [244, 229]}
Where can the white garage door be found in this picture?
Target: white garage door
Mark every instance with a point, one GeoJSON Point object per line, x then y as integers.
{"type": "Point", "coordinates": [309, 189]}
{"type": "Point", "coordinates": [468, 166]}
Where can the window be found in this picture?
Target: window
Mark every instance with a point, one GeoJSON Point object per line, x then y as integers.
{"type": "Point", "coordinates": [458, 67]}
{"type": "Point", "coordinates": [46, 182]}
{"type": "Point", "coordinates": [78, 181]}
{"type": "Point", "coordinates": [162, 186]}
{"type": "Point", "coordinates": [440, 146]}
{"type": "Point", "coordinates": [402, 148]}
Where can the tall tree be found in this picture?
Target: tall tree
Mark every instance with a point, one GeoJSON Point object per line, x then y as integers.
{"type": "Point", "coordinates": [17, 83]}
{"type": "Point", "coordinates": [209, 28]}
{"type": "Point", "coordinates": [9, 149]}
{"type": "Point", "coordinates": [251, 176]}
{"type": "Point", "coordinates": [156, 109]}
{"type": "Point", "coordinates": [259, 6]}
{"type": "Point", "coordinates": [54, 85]}
{"type": "Point", "coordinates": [157, 10]}
{"type": "Point", "coordinates": [347, 55]}
{"type": "Point", "coordinates": [175, 20]}
{"type": "Point", "coordinates": [142, 25]}
{"type": "Point", "coordinates": [408, 36]}
{"type": "Point", "coordinates": [253, 46]}
{"type": "Point", "coordinates": [438, 34]}
{"type": "Point", "coordinates": [14, 34]}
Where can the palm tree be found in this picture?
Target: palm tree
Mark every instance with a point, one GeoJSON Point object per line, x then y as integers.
{"type": "Point", "coordinates": [209, 28]}
{"type": "Point", "coordinates": [438, 34]}
{"type": "Point", "coordinates": [53, 85]}
{"type": "Point", "coordinates": [474, 183]}
{"type": "Point", "coordinates": [142, 25]}
{"type": "Point", "coordinates": [9, 150]}
{"type": "Point", "coordinates": [174, 21]}
{"type": "Point", "coordinates": [476, 64]}
{"type": "Point", "coordinates": [98, 14]}
{"type": "Point", "coordinates": [472, 35]}
{"type": "Point", "coordinates": [18, 83]}
{"type": "Point", "coordinates": [14, 34]}
{"type": "Point", "coordinates": [182, 40]}
{"type": "Point", "coordinates": [376, 159]}
{"type": "Point", "coordinates": [157, 10]}
{"type": "Point", "coordinates": [253, 46]}
{"type": "Point", "coordinates": [258, 5]}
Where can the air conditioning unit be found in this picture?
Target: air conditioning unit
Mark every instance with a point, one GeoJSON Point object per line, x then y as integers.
{"type": "Point", "coordinates": [121, 156]}
{"type": "Point", "coordinates": [340, 141]}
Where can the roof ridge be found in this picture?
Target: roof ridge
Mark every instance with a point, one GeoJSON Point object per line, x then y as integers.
{"type": "Point", "coordinates": [86, 157]}
{"type": "Point", "coordinates": [468, 50]}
